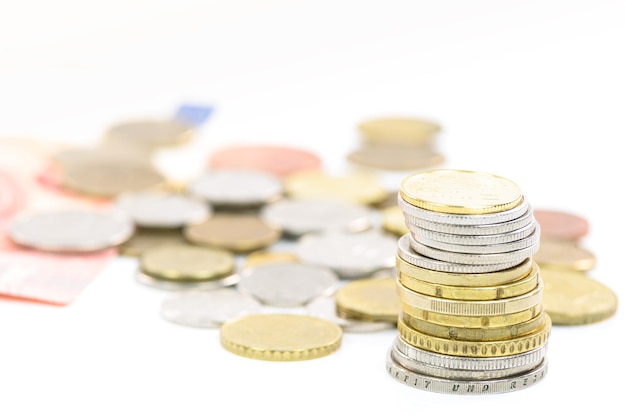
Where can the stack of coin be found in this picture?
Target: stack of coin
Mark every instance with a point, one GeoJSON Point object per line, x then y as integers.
{"type": "Point", "coordinates": [472, 320]}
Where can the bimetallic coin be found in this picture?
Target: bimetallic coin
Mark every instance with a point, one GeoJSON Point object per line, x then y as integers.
{"type": "Point", "coordinates": [149, 134]}
{"type": "Point", "coordinates": [398, 130]}
{"type": "Point", "coordinates": [236, 188]}
{"type": "Point", "coordinates": [350, 255]}
{"type": "Point", "coordinates": [393, 221]}
{"type": "Point", "coordinates": [298, 217]}
{"type": "Point", "coordinates": [326, 308]}
{"type": "Point", "coordinates": [155, 209]}
{"type": "Point", "coordinates": [239, 233]}
{"type": "Point", "coordinates": [180, 285]}
{"type": "Point", "coordinates": [374, 299]}
{"type": "Point", "coordinates": [558, 224]}
{"type": "Point", "coordinates": [263, 257]}
{"type": "Point", "coordinates": [71, 230]}
{"type": "Point", "coordinates": [564, 254]}
{"type": "Point", "coordinates": [475, 387]}
{"type": "Point", "coordinates": [396, 157]}
{"type": "Point", "coordinates": [287, 284]}
{"type": "Point", "coordinates": [574, 298]}
{"type": "Point", "coordinates": [460, 191]}
{"type": "Point", "coordinates": [144, 239]}
{"type": "Point", "coordinates": [207, 308]}
{"type": "Point", "coordinates": [280, 337]}
{"type": "Point", "coordinates": [186, 263]}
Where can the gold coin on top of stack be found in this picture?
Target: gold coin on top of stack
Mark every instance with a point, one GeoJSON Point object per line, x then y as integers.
{"type": "Point", "coordinates": [473, 303]}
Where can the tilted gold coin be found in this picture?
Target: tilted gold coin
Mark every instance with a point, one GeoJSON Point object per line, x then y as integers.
{"type": "Point", "coordinates": [393, 221]}
{"type": "Point", "coordinates": [280, 337]}
{"type": "Point", "coordinates": [234, 232]}
{"type": "Point", "coordinates": [564, 254]}
{"type": "Point", "coordinates": [572, 297]}
{"type": "Point", "coordinates": [474, 322]}
{"type": "Point", "coordinates": [357, 187]}
{"type": "Point", "coordinates": [460, 191]}
{"type": "Point", "coordinates": [373, 299]}
{"type": "Point", "coordinates": [144, 239]}
{"type": "Point", "coordinates": [186, 263]}
{"type": "Point", "coordinates": [477, 349]}
{"type": "Point", "coordinates": [475, 293]}
{"type": "Point", "coordinates": [396, 157]}
{"type": "Point", "coordinates": [149, 133]}
{"type": "Point", "coordinates": [398, 130]}
{"type": "Point", "coordinates": [263, 257]}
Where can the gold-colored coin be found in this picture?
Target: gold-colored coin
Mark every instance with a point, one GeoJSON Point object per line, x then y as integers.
{"type": "Point", "coordinates": [460, 191]}
{"type": "Point", "coordinates": [239, 233]}
{"type": "Point", "coordinates": [393, 221]}
{"type": "Point", "coordinates": [371, 299]}
{"type": "Point", "coordinates": [396, 157]}
{"type": "Point", "coordinates": [474, 322]}
{"type": "Point", "coordinates": [144, 239]}
{"type": "Point", "coordinates": [572, 297]}
{"type": "Point", "coordinates": [473, 334]}
{"type": "Point", "coordinates": [149, 134]}
{"type": "Point", "coordinates": [266, 257]}
{"type": "Point", "coordinates": [479, 349]}
{"type": "Point", "coordinates": [398, 130]}
{"type": "Point", "coordinates": [473, 293]}
{"type": "Point", "coordinates": [280, 337]}
{"type": "Point", "coordinates": [186, 263]}
{"type": "Point", "coordinates": [564, 254]}
{"type": "Point", "coordinates": [465, 280]}
{"type": "Point", "coordinates": [356, 187]}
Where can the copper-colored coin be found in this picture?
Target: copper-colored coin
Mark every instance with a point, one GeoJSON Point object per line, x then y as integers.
{"type": "Point", "coordinates": [561, 225]}
{"type": "Point", "coordinates": [273, 159]}
{"type": "Point", "coordinates": [396, 157]}
{"type": "Point", "coordinates": [145, 239]}
{"type": "Point", "coordinates": [149, 134]}
{"type": "Point", "coordinates": [572, 297]}
{"type": "Point", "coordinates": [398, 130]}
{"type": "Point", "coordinates": [234, 232]}
{"type": "Point", "coordinates": [564, 254]}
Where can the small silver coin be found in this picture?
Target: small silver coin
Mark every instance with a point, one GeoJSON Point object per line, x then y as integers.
{"type": "Point", "coordinates": [326, 308]}
{"type": "Point", "coordinates": [350, 255]}
{"type": "Point", "coordinates": [524, 232]}
{"type": "Point", "coordinates": [171, 285]}
{"type": "Point", "coordinates": [287, 284]}
{"type": "Point", "coordinates": [207, 308]}
{"type": "Point", "coordinates": [154, 209]}
{"type": "Point", "coordinates": [71, 230]}
{"type": "Point", "coordinates": [236, 188]}
{"type": "Point", "coordinates": [471, 230]}
{"type": "Point", "coordinates": [298, 217]}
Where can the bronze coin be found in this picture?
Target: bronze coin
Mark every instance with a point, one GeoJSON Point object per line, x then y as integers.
{"type": "Point", "coordinates": [564, 254]}
{"type": "Point", "coordinates": [561, 224]}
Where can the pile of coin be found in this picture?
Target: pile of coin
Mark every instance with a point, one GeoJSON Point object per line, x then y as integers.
{"type": "Point", "coordinates": [472, 320]}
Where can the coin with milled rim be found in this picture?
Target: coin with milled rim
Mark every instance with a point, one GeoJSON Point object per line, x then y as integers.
{"type": "Point", "coordinates": [280, 337]}
{"type": "Point", "coordinates": [186, 263]}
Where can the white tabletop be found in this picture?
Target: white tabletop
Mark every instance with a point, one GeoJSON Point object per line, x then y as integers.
{"type": "Point", "coordinates": [532, 91]}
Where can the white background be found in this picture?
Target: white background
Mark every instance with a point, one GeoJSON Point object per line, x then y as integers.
{"type": "Point", "coordinates": [531, 90]}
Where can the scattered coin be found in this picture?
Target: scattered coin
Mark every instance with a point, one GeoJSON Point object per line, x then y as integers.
{"type": "Point", "coordinates": [234, 232]}
{"type": "Point", "coordinates": [263, 257]}
{"type": "Point", "coordinates": [373, 299]}
{"type": "Point", "coordinates": [287, 284]}
{"type": "Point", "coordinates": [280, 337]}
{"type": "Point", "coordinates": [393, 221]}
{"type": "Point", "coordinates": [186, 263]}
{"type": "Point", "coordinates": [574, 298]}
{"type": "Point", "coordinates": [180, 285]}
{"type": "Point", "coordinates": [326, 308]}
{"type": "Point", "coordinates": [273, 159]}
{"type": "Point", "coordinates": [149, 134]}
{"type": "Point", "coordinates": [564, 254]}
{"type": "Point", "coordinates": [398, 130]}
{"type": "Point", "coordinates": [71, 230]}
{"type": "Point", "coordinates": [561, 224]}
{"type": "Point", "coordinates": [396, 157]}
{"type": "Point", "coordinates": [207, 308]}
{"type": "Point", "coordinates": [144, 239]}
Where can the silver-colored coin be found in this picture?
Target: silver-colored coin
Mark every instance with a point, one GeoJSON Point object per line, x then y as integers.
{"type": "Point", "coordinates": [71, 230]}
{"type": "Point", "coordinates": [350, 255]}
{"type": "Point", "coordinates": [420, 233]}
{"type": "Point", "coordinates": [438, 371]}
{"type": "Point", "coordinates": [408, 254]}
{"type": "Point", "coordinates": [298, 217]}
{"type": "Point", "coordinates": [154, 209]}
{"type": "Point", "coordinates": [464, 219]}
{"type": "Point", "coordinates": [472, 230]}
{"type": "Point", "coordinates": [326, 308]}
{"type": "Point", "coordinates": [459, 387]}
{"type": "Point", "coordinates": [526, 242]}
{"type": "Point", "coordinates": [515, 256]}
{"type": "Point", "coordinates": [287, 284]}
{"type": "Point", "coordinates": [171, 285]}
{"type": "Point", "coordinates": [207, 308]}
{"type": "Point", "coordinates": [236, 188]}
{"type": "Point", "coordinates": [519, 362]}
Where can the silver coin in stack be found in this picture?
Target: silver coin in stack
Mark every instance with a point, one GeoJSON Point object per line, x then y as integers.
{"type": "Point", "coordinates": [287, 284]}
{"type": "Point", "coordinates": [163, 210]}
{"type": "Point", "coordinates": [326, 308]}
{"type": "Point", "coordinates": [236, 188]}
{"type": "Point", "coordinates": [298, 217]}
{"type": "Point", "coordinates": [71, 230]}
{"type": "Point", "coordinates": [172, 285]}
{"type": "Point", "coordinates": [350, 255]}
{"type": "Point", "coordinates": [478, 240]}
{"type": "Point", "coordinates": [207, 308]}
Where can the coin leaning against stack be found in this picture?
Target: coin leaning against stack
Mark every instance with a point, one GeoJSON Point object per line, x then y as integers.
{"type": "Point", "coordinates": [472, 320]}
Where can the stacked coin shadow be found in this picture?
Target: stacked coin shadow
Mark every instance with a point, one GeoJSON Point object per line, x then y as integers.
{"type": "Point", "coordinates": [472, 321]}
